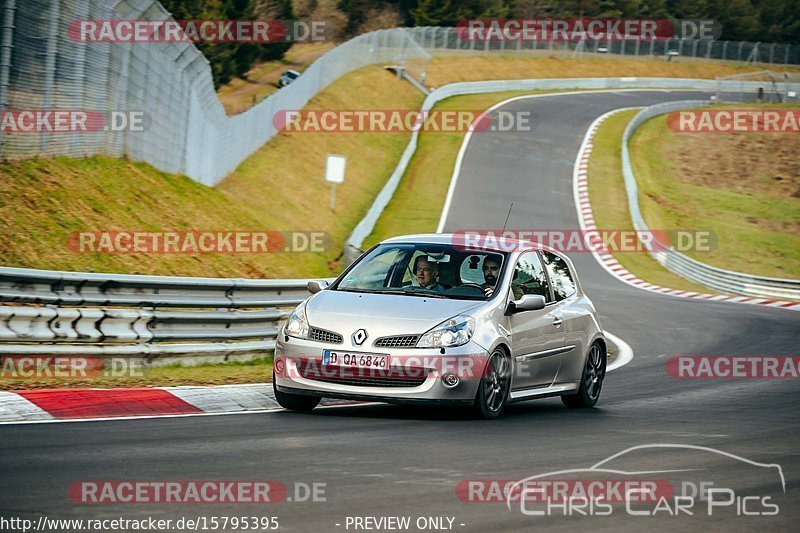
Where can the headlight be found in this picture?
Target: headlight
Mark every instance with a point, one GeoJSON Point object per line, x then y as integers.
{"type": "Point", "coordinates": [297, 325]}
{"type": "Point", "coordinates": [452, 332]}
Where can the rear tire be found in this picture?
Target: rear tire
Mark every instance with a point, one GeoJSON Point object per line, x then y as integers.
{"type": "Point", "coordinates": [591, 380]}
{"type": "Point", "coordinates": [494, 386]}
{"type": "Point", "coordinates": [295, 402]}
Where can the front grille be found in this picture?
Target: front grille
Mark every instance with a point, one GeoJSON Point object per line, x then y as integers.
{"type": "Point", "coordinates": [323, 335]}
{"type": "Point", "coordinates": [373, 382]}
{"type": "Point", "coordinates": [361, 377]}
{"type": "Point", "coordinates": [398, 341]}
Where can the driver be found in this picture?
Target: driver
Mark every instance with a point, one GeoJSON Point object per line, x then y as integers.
{"type": "Point", "coordinates": [426, 273]}
{"type": "Point", "coordinates": [491, 269]}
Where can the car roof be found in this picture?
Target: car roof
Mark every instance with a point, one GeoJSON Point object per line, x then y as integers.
{"type": "Point", "coordinates": [498, 244]}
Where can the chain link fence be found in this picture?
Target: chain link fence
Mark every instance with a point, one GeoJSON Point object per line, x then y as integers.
{"type": "Point", "coordinates": [185, 129]}
{"type": "Point", "coordinates": [445, 41]}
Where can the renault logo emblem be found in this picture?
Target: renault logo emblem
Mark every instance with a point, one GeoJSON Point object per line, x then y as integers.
{"type": "Point", "coordinates": [359, 337]}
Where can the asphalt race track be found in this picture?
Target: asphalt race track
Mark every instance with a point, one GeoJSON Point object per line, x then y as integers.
{"type": "Point", "coordinates": [378, 460]}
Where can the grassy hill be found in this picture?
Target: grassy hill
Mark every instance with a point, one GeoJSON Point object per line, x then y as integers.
{"type": "Point", "coordinates": [280, 187]}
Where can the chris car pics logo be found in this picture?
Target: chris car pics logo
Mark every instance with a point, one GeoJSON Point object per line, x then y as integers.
{"type": "Point", "coordinates": [665, 480]}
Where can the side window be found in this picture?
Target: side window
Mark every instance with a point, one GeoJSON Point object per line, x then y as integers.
{"type": "Point", "coordinates": [529, 277]}
{"type": "Point", "coordinates": [560, 276]}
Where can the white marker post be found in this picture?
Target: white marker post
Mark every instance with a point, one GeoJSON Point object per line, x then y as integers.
{"type": "Point", "coordinates": [334, 173]}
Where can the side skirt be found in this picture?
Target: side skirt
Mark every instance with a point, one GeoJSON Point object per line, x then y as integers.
{"type": "Point", "coordinates": [542, 392]}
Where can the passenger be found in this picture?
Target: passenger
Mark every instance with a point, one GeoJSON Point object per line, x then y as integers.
{"type": "Point", "coordinates": [427, 272]}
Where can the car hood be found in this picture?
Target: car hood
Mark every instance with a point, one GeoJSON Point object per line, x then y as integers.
{"type": "Point", "coordinates": [380, 314]}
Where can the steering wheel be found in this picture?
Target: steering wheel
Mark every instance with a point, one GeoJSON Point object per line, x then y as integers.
{"type": "Point", "coordinates": [471, 286]}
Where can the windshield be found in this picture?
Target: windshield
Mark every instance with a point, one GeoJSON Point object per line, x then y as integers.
{"type": "Point", "coordinates": [429, 270]}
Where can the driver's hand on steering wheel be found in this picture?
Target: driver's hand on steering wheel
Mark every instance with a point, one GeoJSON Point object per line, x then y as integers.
{"type": "Point", "coordinates": [488, 291]}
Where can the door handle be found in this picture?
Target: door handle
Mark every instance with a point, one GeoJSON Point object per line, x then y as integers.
{"type": "Point", "coordinates": [557, 321]}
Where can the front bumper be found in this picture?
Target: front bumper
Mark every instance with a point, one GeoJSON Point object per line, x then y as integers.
{"type": "Point", "coordinates": [298, 370]}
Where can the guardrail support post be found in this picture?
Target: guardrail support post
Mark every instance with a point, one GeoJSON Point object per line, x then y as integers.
{"type": "Point", "coordinates": [6, 47]}
{"type": "Point", "coordinates": [49, 67]}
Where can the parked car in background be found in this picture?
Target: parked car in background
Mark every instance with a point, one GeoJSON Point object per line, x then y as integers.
{"type": "Point", "coordinates": [288, 77]}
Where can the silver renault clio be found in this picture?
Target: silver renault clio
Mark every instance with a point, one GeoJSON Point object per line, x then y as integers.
{"type": "Point", "coordinates": [438, 320]}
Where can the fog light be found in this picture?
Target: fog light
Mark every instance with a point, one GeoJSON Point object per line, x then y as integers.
{"type": "Point", "coordinates": [450, 380]}
{"type": "Point", "coordinates": [280, 366]}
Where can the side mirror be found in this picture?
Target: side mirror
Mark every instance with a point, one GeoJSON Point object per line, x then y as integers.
{"type": "Point", "coordinates": [314, 286]}
{"type": "Point", "coordinates": [528, 302]}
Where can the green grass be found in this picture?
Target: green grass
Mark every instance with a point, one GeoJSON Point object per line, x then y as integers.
{"type": "Point", "coordinates": [748, 216]}
{"type": "Point", "coordinates": [280, 187]}
{"type": "Point", "coordinates": [448, 69]}
{"type": "Point", "coordinates": [724, 183]}
{"type": "Point", "coordinates": [418, 201]}
{"type": "Point", "coordinates": [610, 204]}
{"type": "Point", "coordinates": [253, 371]}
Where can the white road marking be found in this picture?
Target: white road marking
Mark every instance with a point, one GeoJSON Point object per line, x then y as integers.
{"type": "Point", "coordinates": [257, 396]}
{"type": "Point", "coordinates": [609, 264]}
{"type": "Point", "coordinates": [143, 417]}
{"type": "Point", "coordinates": [580, 191]}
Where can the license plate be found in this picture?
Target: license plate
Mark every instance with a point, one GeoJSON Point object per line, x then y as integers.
{"type": "Point", "coordinates": [354, 360]}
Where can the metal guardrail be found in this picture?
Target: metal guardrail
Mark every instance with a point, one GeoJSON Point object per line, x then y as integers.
{"type": "Point", "coordinates": [681, 264]}
{"type": "Point", "coordinates": [84, 289]}
{"type": "Point", "coordinates": [157, 318]}
{"type": "Point", "coordinates": [161, 318]}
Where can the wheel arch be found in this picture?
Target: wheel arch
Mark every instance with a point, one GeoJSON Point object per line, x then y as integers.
{"type": "Point", "coordinates": [600, 339]}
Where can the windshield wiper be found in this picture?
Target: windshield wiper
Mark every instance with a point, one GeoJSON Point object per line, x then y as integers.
{"type": "Point", "coordinates": [368, 291]}
{"type": "Point", "coordinates": [419, 291]}
{"type": "Point", "coordinates": [411, 291]}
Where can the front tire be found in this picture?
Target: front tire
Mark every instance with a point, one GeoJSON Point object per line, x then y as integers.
{"type": "Point", "coordinates": [591, 380]}
{"type": "Point", "coordinates": [494, 386]}
{"type": "Point", "coordinates": [294, 402]}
